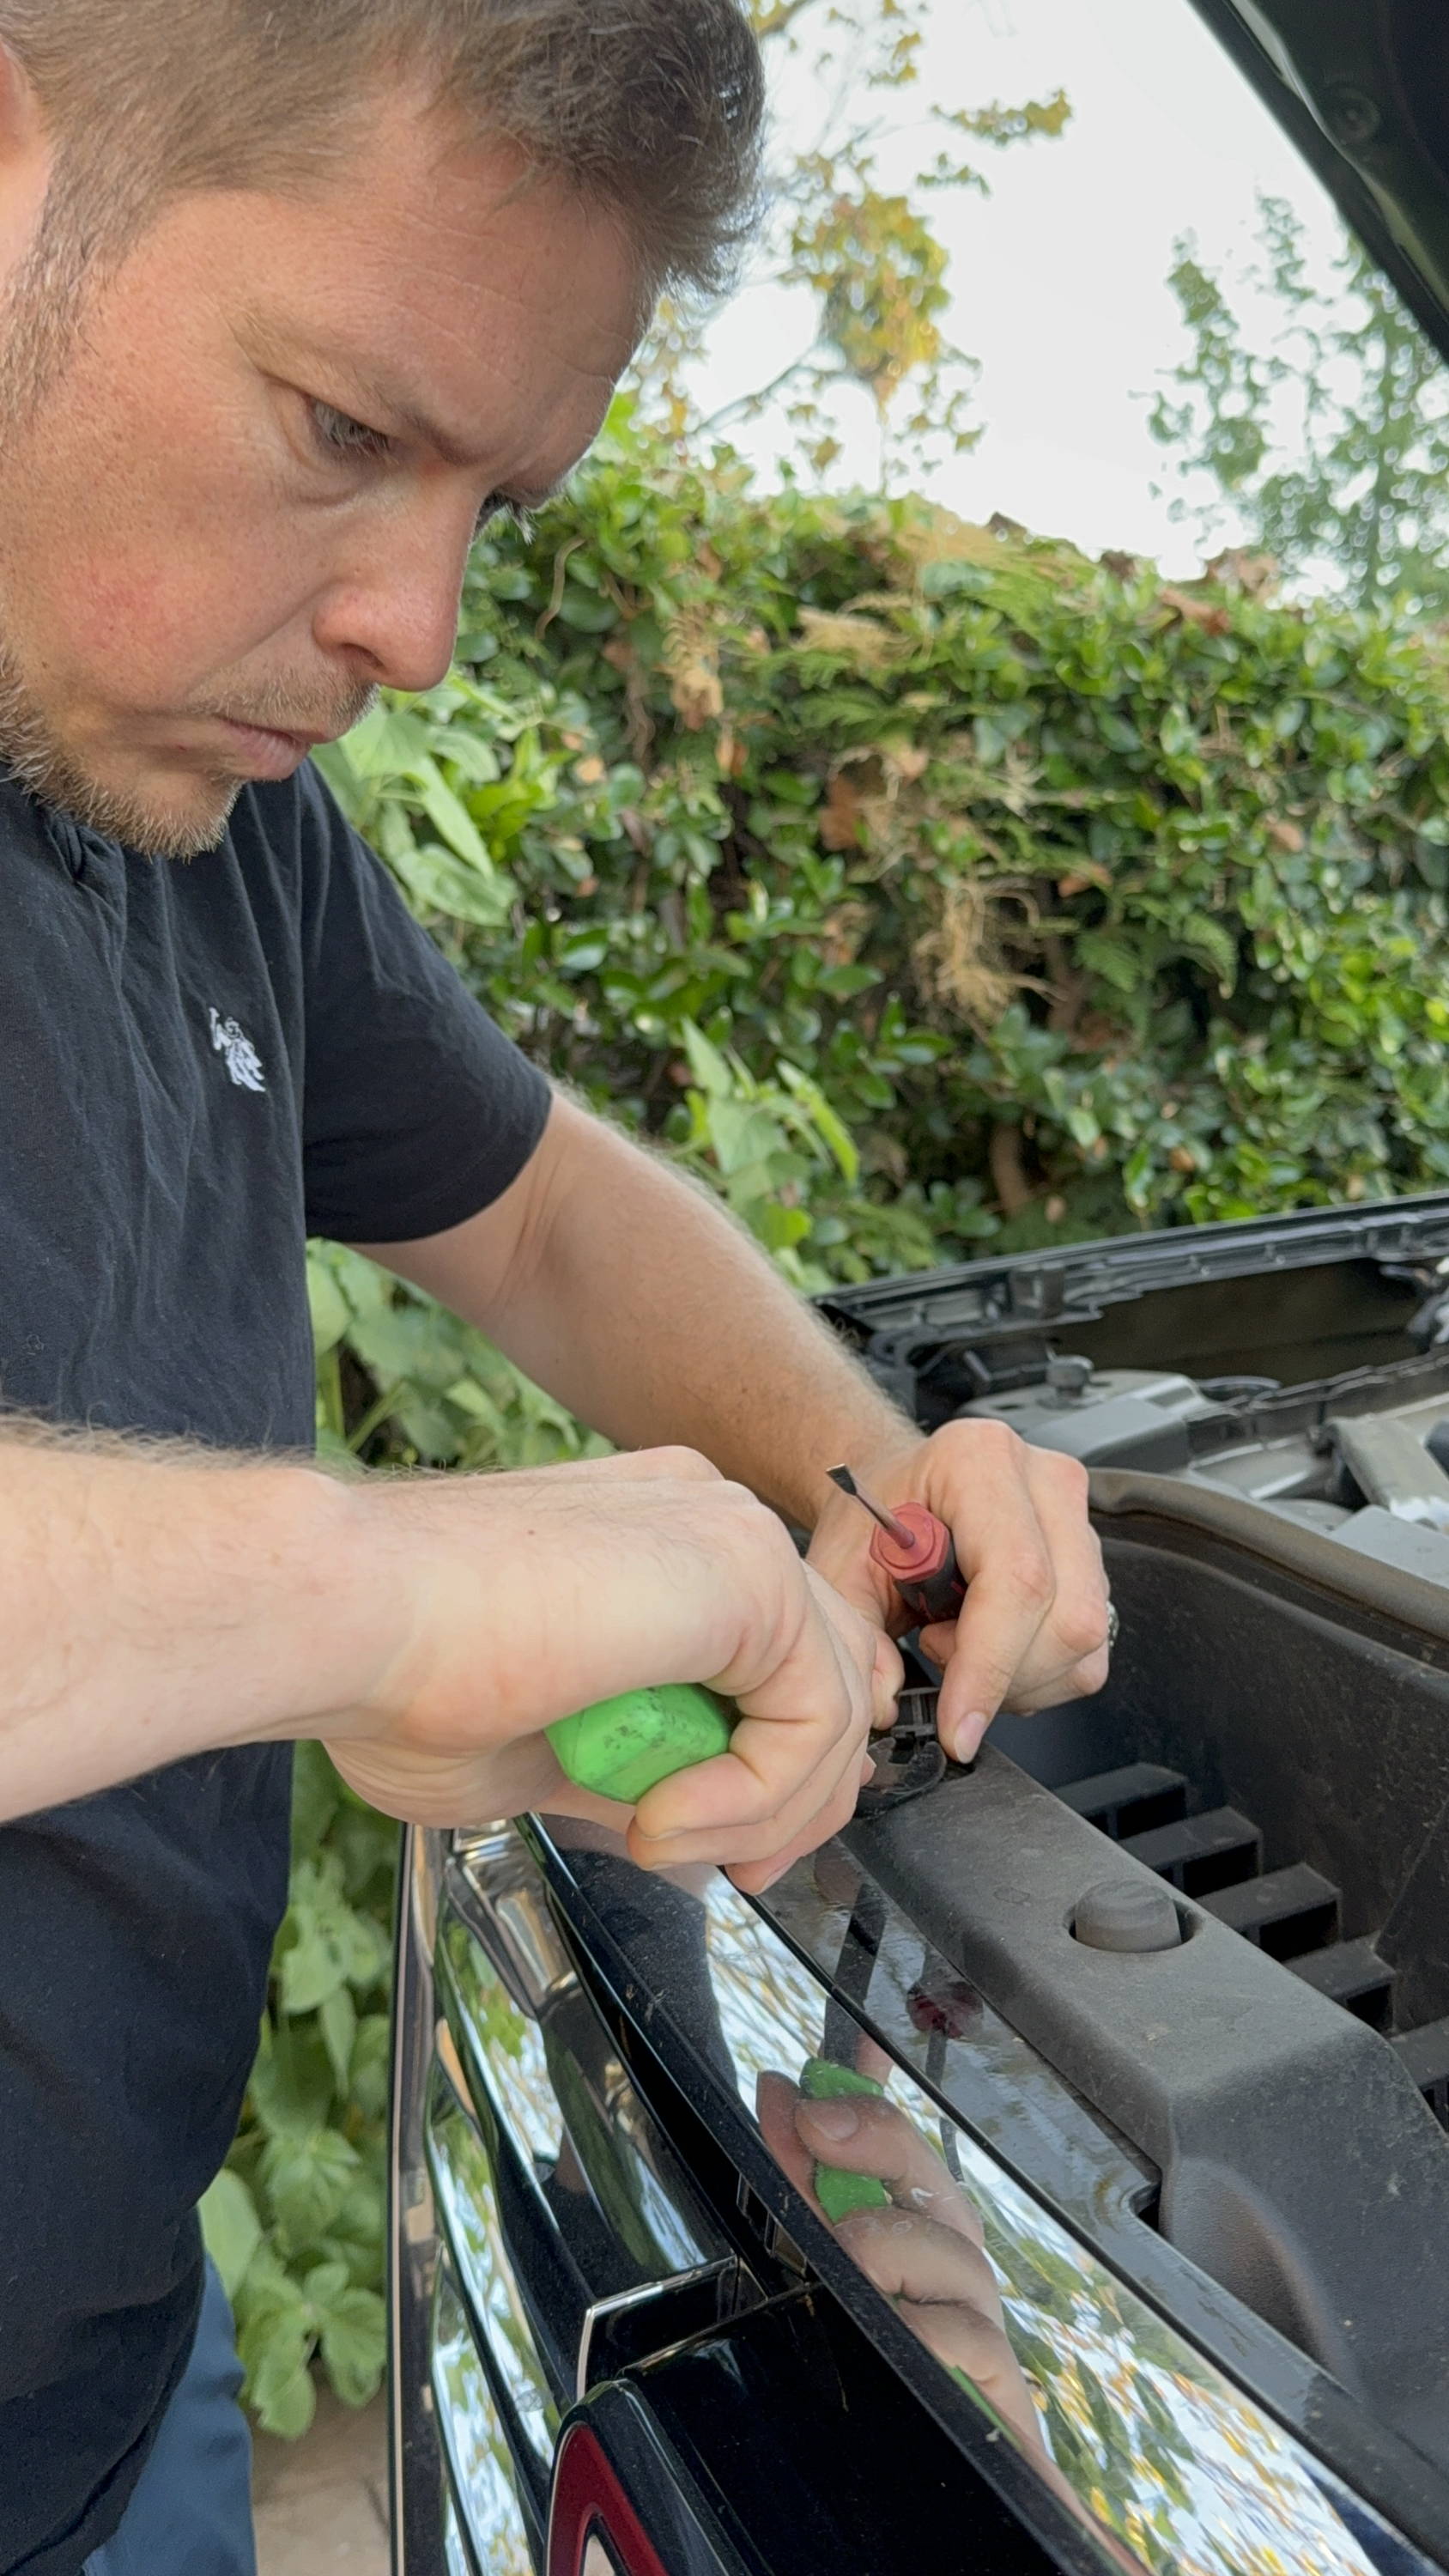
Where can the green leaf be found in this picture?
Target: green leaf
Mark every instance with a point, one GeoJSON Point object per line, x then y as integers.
{"type": "Point", "coordinates": [823, 1119]}
{"type": "Point", "coordinates": [354, 2339]}
{"type": "Point", "coordinates": [451, 818]}
{"type": "Point", "coordinates": [477, 759]}
{"type": "Point", "coordinates": [439, 881]}
{"type": "Point", "coordinates": [779, 1228]}
{"type": "Point", "coordinates": [371, 2065]}
{"type": "Point", "coordinates": [1213, 940]}
{"type": "Point", "coordinates": [323, 2281]}
{"type": "Point", "coordinates": [292, 2083]}
{"type": "Point", "coordinates": [389, 743]}
{"type": "Point", "coordinates": [305, 2180]}
{"type": "Point", "coordinates": [744, 1137]}
{"type": "Point", "coordinates": [337, 2020]}
{"type": "Point", "coordinates": [1117, 732]}
{"type": "Point", "coordinates": [324, 1942]}
{"type": "Point", "coordinates": [1112, 959]}
{"type": "Point", "coordinates": [588, 616]}
{"type": "Point", "coordinates": [706, 1063]}
{"type": "Point", "coordinates": [341, 774]}
{"type": "Point", "coordinates": [331, 1313]}
{"type": "Point", "coordinates": [231, 2228]}
{"type": "Point", "coordinates": [316, 1797]}
{"type": "Point", "coordinates": [312, 1967]}
{"type": "Point", "coordinates": [275, 2350]}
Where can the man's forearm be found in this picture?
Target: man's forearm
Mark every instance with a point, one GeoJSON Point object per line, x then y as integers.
{"type": "Point", "coordinates": [635, 1299]}
{"type": "Point", "coordinates": [154, 1605]}
{"type": "Point", "coordinates": [648, 1311]}
{"type": "Point", "coordinates": [428, 1629]}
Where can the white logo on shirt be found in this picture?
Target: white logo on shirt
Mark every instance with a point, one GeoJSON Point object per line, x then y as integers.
{"type": "Point", "coordinates": [242, 1060]}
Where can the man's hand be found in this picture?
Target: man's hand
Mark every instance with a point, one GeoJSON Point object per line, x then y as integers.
{"type": "Point", "coordinates": [1033, 1629]}
{"type": "Point", "coordinates": [159, 1603]}
{"type": "Point", "coordinates": [529, 1596]}
{"type": "Point", "coordinates": [926, 2251]}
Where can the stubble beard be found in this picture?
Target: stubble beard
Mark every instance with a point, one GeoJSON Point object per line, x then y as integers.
{"type": "Point", "coordinates": [40, 760]}
{"type": "Point", "coordinates": [40, 317]}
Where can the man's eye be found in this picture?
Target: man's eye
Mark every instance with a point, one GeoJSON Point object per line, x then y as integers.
{"type": "Point", "coordinates": [340, 435]}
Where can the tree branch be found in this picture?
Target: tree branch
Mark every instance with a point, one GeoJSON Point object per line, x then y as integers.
{"type": "Point", "coordinates": [766, 393]}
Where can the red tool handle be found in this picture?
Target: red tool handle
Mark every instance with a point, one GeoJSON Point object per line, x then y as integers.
{"type": "Point", "coordinates": [926, 1574]}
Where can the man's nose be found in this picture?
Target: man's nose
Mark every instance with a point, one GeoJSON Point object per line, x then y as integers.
{"type": "Point", "coordinates": [394, 612]}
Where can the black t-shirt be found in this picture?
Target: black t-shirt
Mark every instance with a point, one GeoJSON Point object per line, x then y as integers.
{"type": "Point", "coordinates": [199, 1066]}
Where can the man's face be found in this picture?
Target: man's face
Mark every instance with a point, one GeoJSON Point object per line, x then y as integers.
{"type": "Point", "coordinates": [221, 516]}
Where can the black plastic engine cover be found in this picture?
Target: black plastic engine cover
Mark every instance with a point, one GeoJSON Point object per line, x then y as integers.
{"type": "Point", "coordinates": [1300, 2166]}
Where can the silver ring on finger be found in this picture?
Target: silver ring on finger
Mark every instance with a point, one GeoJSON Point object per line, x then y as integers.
{"type": "Point", "coordinates": [1114, 1626]}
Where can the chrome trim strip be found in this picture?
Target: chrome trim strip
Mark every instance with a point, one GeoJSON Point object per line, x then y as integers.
{"type": "Point", "coordinates": [483, 2495]}
{"type": "Point", "coordinates": [415, 2467]}
{"type": "Point", "coordinates": [458, 2558]}
{"type": "Point", "coordinates": [1152, 2442]}
{"type": "Point", "coordinates": [514, 2058]}
{"type": "Point", "coordinates": [477, 2256]}
{"type": "Point", "coordinates": [532, 2185]}
{"type": "Point", "coordinates": [722, 2276]}
{"type": "Point", "coordinates": [510, 1916]}
{"type": "Point", "coordinates": [1166, 2463]}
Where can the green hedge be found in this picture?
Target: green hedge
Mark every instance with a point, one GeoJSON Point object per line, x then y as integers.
{"type": "Point", "coordinates": [1144, 885]}
{"type": "Point", "coordinates": [924, 886]}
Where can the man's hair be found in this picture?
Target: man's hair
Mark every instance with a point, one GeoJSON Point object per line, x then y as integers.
{"type": "Point", "coordinates": [651, 109]}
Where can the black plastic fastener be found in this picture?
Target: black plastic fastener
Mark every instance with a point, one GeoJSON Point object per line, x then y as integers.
{"type": "Point", "coordinates": [1120, 1914]}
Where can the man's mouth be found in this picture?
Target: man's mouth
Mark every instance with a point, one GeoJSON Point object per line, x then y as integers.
{"type": "Point", "coordinates": [269, 753]}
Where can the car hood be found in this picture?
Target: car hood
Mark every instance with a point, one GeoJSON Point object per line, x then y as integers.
{"type": "Point", "coordinates": [1362, 88]}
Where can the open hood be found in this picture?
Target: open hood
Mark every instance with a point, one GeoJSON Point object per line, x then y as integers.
{"type": "Point", "coordinates": [1362, 88]}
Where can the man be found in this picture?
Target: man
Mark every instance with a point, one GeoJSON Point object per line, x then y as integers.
{"type": "Point", "coordinates": [292, 290]}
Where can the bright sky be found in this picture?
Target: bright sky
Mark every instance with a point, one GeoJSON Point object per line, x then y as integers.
{"type": "Point", "coordinates": [1059, 274]}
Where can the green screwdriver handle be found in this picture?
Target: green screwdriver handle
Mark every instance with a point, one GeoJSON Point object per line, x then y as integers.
{"type": "Point", "coordinates": [837, 2190]}
{"type": "Point", "coordinates": [621, 1747]}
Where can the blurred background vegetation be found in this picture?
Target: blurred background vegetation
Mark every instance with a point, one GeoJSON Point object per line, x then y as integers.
{"type": "Point", "coordinates": [924, 887]}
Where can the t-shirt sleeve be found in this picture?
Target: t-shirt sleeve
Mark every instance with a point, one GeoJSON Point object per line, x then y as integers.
{"type": "Point", "coordinates": [417, 1110]}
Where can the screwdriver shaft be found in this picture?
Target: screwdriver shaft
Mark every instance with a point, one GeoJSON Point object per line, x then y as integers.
{"type": "Point", "coordinates": [903, 1537]}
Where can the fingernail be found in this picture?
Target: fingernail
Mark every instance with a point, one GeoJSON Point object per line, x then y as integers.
{"type": "Point", "coordinates": [832, 2119]}
{"type": "Point", "coordinates": [969, 1734]}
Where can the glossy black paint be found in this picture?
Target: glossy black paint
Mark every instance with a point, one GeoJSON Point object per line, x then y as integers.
{"type": "Point", "coordinates": [846, 2478]}
{"type": "Point", "coordinates": [631, 1939]}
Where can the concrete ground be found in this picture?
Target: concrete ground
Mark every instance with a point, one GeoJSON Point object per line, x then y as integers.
{"type": "Point", "coordinates": [321, 2503]}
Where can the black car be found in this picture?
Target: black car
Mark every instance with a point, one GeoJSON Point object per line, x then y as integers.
{"type": "Point", "coordinates": [1150, 2008]}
